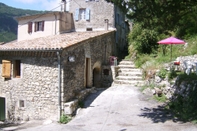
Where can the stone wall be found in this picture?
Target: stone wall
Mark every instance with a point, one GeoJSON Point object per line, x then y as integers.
{"type": "Point", "coordinates": [37, 87]}
{"type": "Point", "coordinates": [175, 87]}
{"type": "Point", "coordinates": [97, 15]}
{"type": "Point", "coordinates": [98, 51]}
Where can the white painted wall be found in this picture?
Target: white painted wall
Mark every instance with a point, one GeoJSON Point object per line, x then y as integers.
{"type": "Point", "coordinates": [54, 23]}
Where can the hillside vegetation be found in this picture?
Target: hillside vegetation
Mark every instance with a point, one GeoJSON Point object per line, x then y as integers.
{"type": "Point", "coordinates": [8, 23]}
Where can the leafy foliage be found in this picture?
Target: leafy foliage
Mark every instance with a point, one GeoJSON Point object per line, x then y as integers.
{"type": "Point", "coordinates": [64, 119]}
{"type": "Point", "coordinates": [162, 73]}
{"type": "Point", "coordinates": [184, 105]}
{"type": "Point", "coordinates": [143, 40]}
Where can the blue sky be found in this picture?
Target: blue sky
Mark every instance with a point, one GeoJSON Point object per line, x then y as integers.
{"type": "Point", "coordinates": [33, 4]}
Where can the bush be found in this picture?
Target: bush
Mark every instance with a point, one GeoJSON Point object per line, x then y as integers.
{"type": "Point", "coordinates": [162, 73]}
{"type": "Point", "coordinates": [64, 119]}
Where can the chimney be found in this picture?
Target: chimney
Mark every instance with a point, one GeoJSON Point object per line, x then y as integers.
{"type": "Point", "coordinates": [106, 24]}
{"type": "Point", "coordinates": [63, 6]}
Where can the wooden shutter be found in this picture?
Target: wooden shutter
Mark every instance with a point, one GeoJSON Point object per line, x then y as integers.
{"type": "Point", "coordinates": [6, 68]}
{"type": "Point", "coordinates": [42, 25]}
{"type": "Point", "coordinates": [35, 26]}
{"type": "Point", "coordinates": [77, 14]}
{"type": "Point", "coordinates": [87, 14]}
{"type": "Point", "coordinates": [30, 27]}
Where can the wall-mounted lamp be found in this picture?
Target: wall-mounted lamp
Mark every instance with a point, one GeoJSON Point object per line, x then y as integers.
{"type": "Point", "coordinates": [71, 59]}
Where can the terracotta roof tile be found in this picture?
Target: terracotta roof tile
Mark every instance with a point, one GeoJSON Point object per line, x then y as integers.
{"type": "Point", "coordinates": [51, 42]}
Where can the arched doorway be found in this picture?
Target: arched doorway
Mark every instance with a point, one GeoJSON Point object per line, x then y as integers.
{"type": "Point", "coordinates": [96, 77]}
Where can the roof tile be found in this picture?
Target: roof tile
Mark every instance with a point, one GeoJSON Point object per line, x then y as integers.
{"type": "Point", "coordinates": [51, 42]}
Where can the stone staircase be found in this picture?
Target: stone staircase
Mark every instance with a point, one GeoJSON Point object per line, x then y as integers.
{"type": "Point", "coordinates": [128, 74]}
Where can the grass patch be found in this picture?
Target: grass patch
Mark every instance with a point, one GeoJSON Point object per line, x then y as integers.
{"type": "Point", "coordinates": [161, 98]}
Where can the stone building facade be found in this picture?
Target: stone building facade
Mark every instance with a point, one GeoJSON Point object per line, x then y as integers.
{"type": "Point", "coordinates": [37, 80]}
{"type": "Point", "coordinates": [101, 15]}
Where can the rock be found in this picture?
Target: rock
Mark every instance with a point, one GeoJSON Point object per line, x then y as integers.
{"type": "Point", "coordinates": [153, 91]}
{"type": "Point", "coordinates": [147, 91]}
{"type": "Point", "coordinates": [158, 91]}
{"type": "Point", "coordinates": [158, 79]}
{"type": "Point", "coordinates": [168, 95]}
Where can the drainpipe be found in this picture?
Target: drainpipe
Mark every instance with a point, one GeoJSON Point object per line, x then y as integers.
{"type": "Point", "coordinates": [59, 85]}
{"type": "Point", "coordinates": [55, 23]}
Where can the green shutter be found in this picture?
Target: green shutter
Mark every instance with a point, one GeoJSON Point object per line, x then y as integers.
{"type": "Point", "coordinates": [2, 109]}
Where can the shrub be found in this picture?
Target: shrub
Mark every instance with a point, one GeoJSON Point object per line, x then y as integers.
{"type": "Point", "coordinates": [162, 73]}
{"type": "Point", "coordinates": [64, 119]}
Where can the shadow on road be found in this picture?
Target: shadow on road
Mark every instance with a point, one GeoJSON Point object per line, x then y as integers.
{"type": "Point", "coordinates": [91, 97]}
{"type": "Point", "coordinates": [158, 114]}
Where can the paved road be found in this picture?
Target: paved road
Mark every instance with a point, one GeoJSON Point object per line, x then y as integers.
{"type": "Point", "coordinates": [120, 108]}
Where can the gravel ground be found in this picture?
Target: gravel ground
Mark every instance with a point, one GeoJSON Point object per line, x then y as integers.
{"type": "Point", "coordinates": [118, 108]}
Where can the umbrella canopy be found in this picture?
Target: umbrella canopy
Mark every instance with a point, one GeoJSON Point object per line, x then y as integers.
{"type": "Point", "coordinates": [171, 40]}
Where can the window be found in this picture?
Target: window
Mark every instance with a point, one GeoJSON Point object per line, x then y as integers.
{"type": "Point", "coordinates": [21, 103]}
{"type": "Point", "coordinates": [17, 68]}
{"type": "Point", "coordinates": [106, 72]}
{"type": "Point", "coordinates": [7, 68]}
{"type": "Point", "coordinates": [30, 27]}
{"type": "Point", "coordinates": [82, 14]}
{"type": "Point", "coordinates": [39, 26]}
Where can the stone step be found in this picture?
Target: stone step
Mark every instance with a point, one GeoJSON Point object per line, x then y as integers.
{"type": "Point", "coordinates": [126, 66]}
{"type": "Point", "coordinates": [128, 82]}
{"type": "Point", "coordinates": [129, 78]}
{"type": "Point", "coordinates": [126, 63]}
{"type": "Point", "coordinates": [130, 74]}
{"type": "Point", "coordinates": [129, 70]}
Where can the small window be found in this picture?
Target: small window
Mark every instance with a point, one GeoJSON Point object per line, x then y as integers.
{"type": "Point", "coordinates": [30, 27]}
{"type": "Point", "coordinates": [21, 103]}
{"type": "Point", "coordinates": [89, 29]}
{"type": "Point", "coordinates": [17, 68]}
{"type": "Point", "coordinates": [106, 72]}
{"type": "Point", "coordinates": [39, 26]}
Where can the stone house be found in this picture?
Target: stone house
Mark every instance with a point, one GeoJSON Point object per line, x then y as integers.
{"type": "Point", "coordinates": [46, 70]}
{"type": "Point", "coordinates": [100, 15]}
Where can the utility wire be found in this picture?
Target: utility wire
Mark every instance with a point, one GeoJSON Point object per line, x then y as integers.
{"type": "Point", "coordinates": [42, 14]}
{"type": "Point", "coordinates": [77, 3]}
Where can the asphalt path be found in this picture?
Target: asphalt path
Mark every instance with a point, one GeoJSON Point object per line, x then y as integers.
{"type": "Point", "coordinates": [119, 108]}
